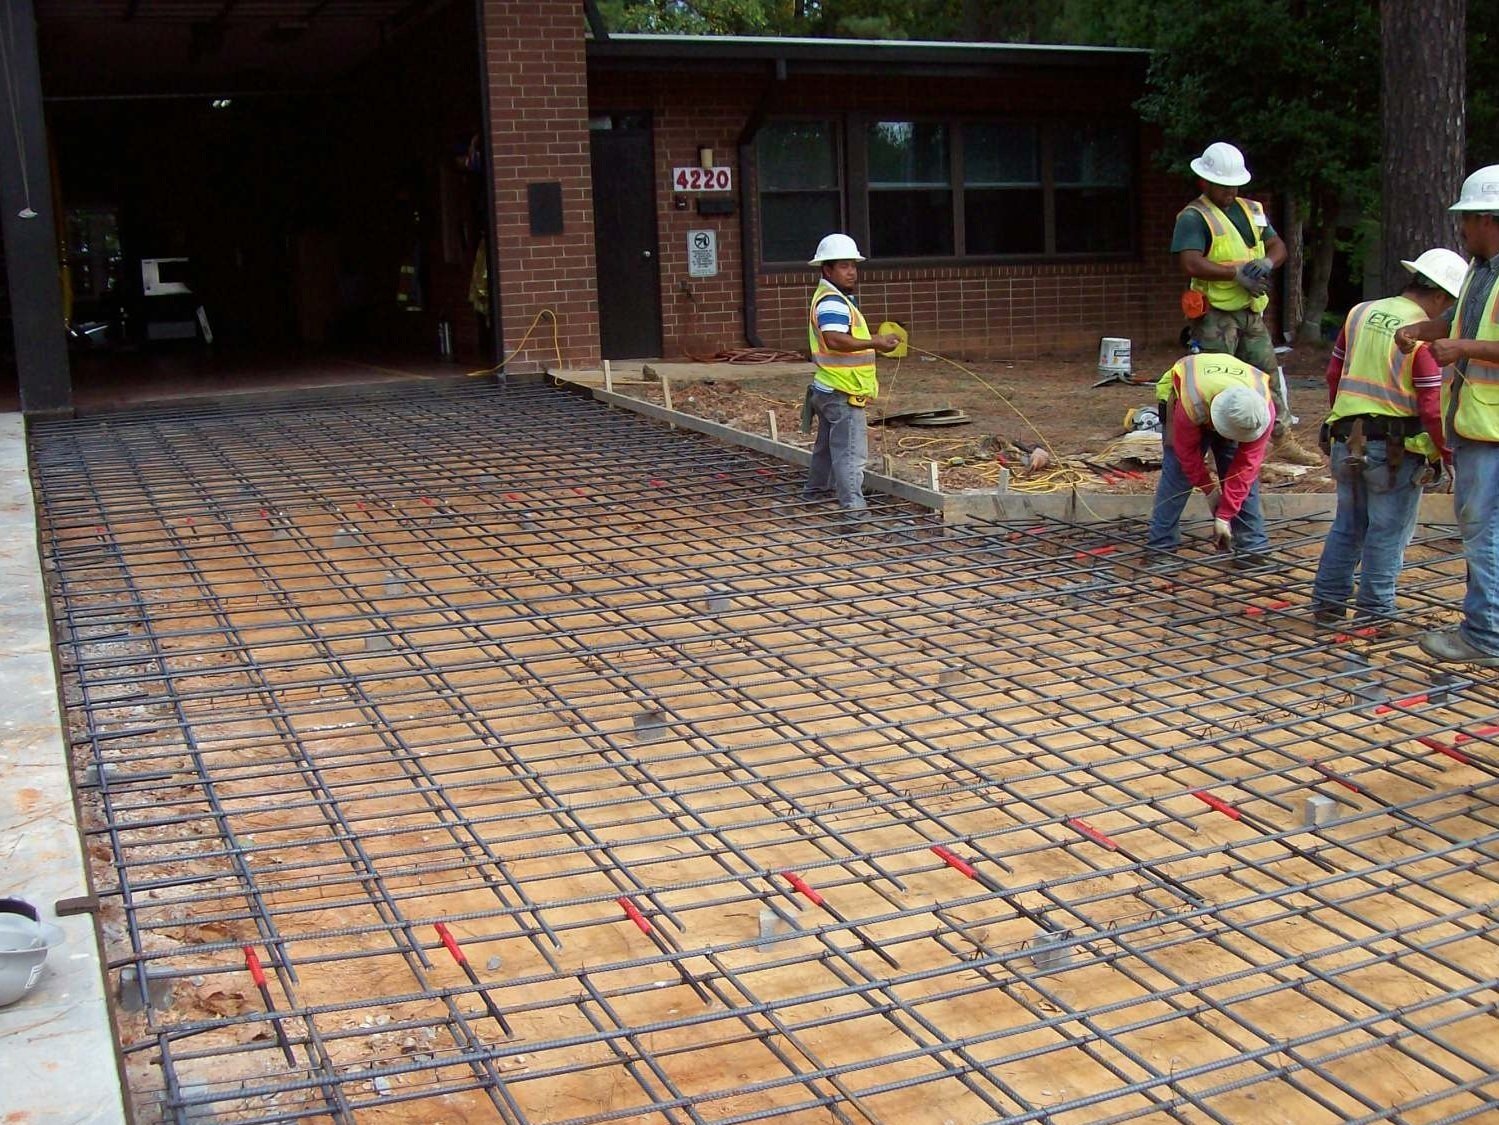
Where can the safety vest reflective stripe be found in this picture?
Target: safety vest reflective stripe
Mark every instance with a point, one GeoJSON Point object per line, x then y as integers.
{"type": "Point", "coordinates": [1228, 247]}
{"type": "Point", "coordinates": [1377, 378]}
{"type": "Point", "coordinates": [1198, 379]}
{"type": "Point", "coordinates": [853, 373]}
{"type": "Point", "coordinates": [1471, 401]}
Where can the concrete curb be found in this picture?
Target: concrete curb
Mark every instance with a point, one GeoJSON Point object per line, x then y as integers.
{"type": "Point", "coordinates": [1070, 506]}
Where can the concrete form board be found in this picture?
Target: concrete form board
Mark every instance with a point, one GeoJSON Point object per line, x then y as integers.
{"type": "Point", "coordinates": [57, 1064]}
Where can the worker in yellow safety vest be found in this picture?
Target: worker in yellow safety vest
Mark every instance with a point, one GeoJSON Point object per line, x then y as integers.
{"type": "Point", "coordinates": [1384, 436]}
{"type": "Point", "coordinates": [1220, 405]}
{"type": "Point", "coordinates": [1470, 415]}
{"type": "Point", "coordinates": [1225, 244]}
{"type": "Point", "coordinates": [845, 382]}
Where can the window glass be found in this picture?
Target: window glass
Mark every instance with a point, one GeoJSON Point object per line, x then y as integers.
{"type": "Point", "coordinates": [910, 194]}
{"type": "Point", "coordinates": [1094, 168]}
{"type": "Point", "coordinates": [800, 193]}
{"type": "Point", "coordinates": [1001, 155]}
{"type": "Point", "coordinates": [1004, 206]}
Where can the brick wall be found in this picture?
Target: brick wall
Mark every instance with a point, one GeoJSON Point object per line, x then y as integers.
{"type": "Point", "coordinates": [538, 102]}
{"type": "Point", "coordinates": [1024, 309]}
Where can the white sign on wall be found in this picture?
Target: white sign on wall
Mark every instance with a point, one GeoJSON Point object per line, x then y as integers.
{"type": "Point", "coordinates": [702, 253]}
{"type": "Point", "coordinates": [702, 179]}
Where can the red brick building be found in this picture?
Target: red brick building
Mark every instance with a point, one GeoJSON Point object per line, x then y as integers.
{"type": "Point", "coordinates": [343, 180]}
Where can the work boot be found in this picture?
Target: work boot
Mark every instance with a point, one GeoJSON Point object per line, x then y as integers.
{"type": "Point", "coordinates": [1451, 645]}
{"type": "Point", "coordinates": [1287, 448]}
{"type": "Point", "coordinates": [1327, 617]}
{"type": "Point", "coordinates": [1250, 561]}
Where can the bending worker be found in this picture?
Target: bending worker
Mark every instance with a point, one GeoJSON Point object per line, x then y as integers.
{"type": "Point", "coordinates": [1220, 404]}
{"type": "Point", "coordinates": [1470, 413]}
{"type": "Point", "coordinates": [1384, 431]}
{"type": "Point", "coordinates": [845, 382]}
{"type": "Point", "coordinates": [1227, 246]}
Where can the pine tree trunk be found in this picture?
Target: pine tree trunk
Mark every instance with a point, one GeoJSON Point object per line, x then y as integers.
{"type": "Point", "coordinates": [1323, 250]}
{"type": "Point", "coordinates": [1294, 237]}
{"type": "Point", "coordinates": [1423, 65]}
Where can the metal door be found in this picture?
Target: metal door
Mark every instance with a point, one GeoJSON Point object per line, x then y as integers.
{"type": "Point", "coordinates": [625, 249]}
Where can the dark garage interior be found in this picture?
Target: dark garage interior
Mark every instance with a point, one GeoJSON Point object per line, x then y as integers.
{"type": "Point", "coordinates": [251, 195]}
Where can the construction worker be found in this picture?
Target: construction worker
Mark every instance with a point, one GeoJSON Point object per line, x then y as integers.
{"type": "Point", "coordinates": [1226, 245]}
{"type": "Point", "coordinates": [1218, 404]}
{"type": "Point", "coordinates": [1384, 436]}
{"type": "Point", "coordinates": [845, 381]}
{"type": "Point", "coordinates": [1470, 415]}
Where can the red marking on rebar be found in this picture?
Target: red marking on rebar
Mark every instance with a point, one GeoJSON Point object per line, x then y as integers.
{"type": "Point", "coordinates": [427, 500]}
{"type": "Point", "coordinates": [265, 515]}
{"type": "Point", "coordinates": [962, 867]}
{"type": "Point", "coordinates": [765, 472]}
{"type": "Point", "coordinates": [802, 885]}
{"type": "Point", "coordinates": [1253, 610]}
{"type": "Point", "coordinates": [720, 476]}
{"type": "Point", "coordinates": [581, 491]}
{"type": "Point", "coordinates": [1367, 634]}
{"type": "Point", "coordinates": [1216, 803]}
{"type": "Point", "coordinates": [513, 497]}
{"type": "Point", "coordinates": [1106, 549]}
{"type": "Point", "coordinates": [1442, 748]}
{"type": "Point", "coordinates": [1478, 732]}
{"type": "Point", "coordinates": [252, 962]}
{"type": "Point", "coordinates": [359, 504]}
{"type": "Point", "coordinates": [655, 483]}
{"type": "Point", "coordinates": [1092, 833]}
{"type": "Point", "coordinates": [1352, 787]}
{"type": "Point", "coordinates": [633, 913]}
{"type": "Point", "coordinates": [447, 940]}
{"type": "Point", "coordinates": [188, 521]}
{"type": "Point", "coordinates": [1396, 704]}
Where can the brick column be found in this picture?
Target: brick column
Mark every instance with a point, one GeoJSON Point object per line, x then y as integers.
{"type": "Point", "coordinates": [538, 109]}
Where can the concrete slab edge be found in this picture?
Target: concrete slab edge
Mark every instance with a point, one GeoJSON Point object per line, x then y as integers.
{"type": "Point", "coordinates": [1069, 506]}
{"type": "Point", "coordinates": [58, 1040]}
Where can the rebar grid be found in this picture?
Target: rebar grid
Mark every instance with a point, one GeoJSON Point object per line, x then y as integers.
{"type": "Point", "coordinates": [555, 769]}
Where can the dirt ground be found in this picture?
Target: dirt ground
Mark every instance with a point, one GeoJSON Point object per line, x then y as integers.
{"type": "Point", "coordinates": [1048, 401]}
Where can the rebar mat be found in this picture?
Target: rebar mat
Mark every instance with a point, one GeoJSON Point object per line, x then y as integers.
{"type": "Point", "coordinates": [470, 753]}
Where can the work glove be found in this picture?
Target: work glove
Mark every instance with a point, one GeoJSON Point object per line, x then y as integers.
{"type": "Point", "coordinates": [1223, 535]}
{"type": "Point", "coordinates": [1436, 477]}
{"type": "Point", "coordinates": [1261, 268]}
{"type": "Point", "coordinates": [1254, 282]}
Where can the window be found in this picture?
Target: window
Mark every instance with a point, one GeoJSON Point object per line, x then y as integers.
{"type": "Point", "coordinates": [957, 189]}
{"type": "Point", "coordinates": [801, 197]}
{"type": "Point", "coordinates": [910, 190]}
{"type": "Point", "coordinates": [1004, 203]}
{"type": "Point", "coordinates": [1093, 168]}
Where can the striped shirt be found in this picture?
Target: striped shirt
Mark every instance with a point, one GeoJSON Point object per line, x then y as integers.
{"type": "Point", "coordinates": [833, 316]}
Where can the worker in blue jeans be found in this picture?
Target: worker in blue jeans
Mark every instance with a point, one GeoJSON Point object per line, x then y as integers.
{"type": "Point", "coordinates": [1385, 439]}
{"type": "Point", "coordinates": [845, 382]}
{"type": "Point", "coordinates": [1470, 413]}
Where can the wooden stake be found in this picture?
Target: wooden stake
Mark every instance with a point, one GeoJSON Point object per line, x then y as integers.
{"type": "Point", "coordinates": [932, 476]}
{"type": "Point", "coordinates": [666, 396]}
{"type": "Point", "coordinates": [608, 377]}
{"type": "Point", "coordinates": [775, 430]}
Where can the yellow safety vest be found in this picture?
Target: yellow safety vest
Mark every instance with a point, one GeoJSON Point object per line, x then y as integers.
{"type": "Point", "coordinates": [1470, 402]}
{"type": "Point", "coordinates": [853, 373]}
{"type": "Point", "coordinates": [1229, 248]}
{"type": "Point", "coordinates": [1195, 380]}
{"type": "Point", "coordinates": [1377, 378]}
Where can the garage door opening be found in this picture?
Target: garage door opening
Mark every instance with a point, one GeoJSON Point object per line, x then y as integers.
{"type": "Point", "coordinates": [292, 195]}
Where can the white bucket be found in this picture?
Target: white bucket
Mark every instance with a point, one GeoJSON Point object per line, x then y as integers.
{"type": "Point", "coordinates": [1113, 355]}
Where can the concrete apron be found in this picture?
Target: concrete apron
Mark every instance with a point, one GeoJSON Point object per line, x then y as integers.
{"type": "Point", "coordinates": [59, 1062]}
{"type": "Point", "coordinates": [981, 506]}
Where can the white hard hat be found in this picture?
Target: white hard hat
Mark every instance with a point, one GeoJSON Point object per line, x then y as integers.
{"type": "Point", "coordinates": [1239, 414]}
{"type": "Point", "coordinates": [1442, 267]}
{"type": "Point", "coordinates": [836, 248]}
{"type": "Point", "coordinates": [1222, 163]}
{"type": "Point", "coordinates": [1480, 192]}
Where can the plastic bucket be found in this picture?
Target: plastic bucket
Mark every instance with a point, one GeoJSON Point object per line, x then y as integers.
{"type": "Point", "coordinates": [1113, 355]}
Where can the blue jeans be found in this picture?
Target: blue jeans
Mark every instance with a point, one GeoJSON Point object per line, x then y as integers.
{"type": "Point", "coordinates": [1475, 495]}
{"type": "Point", "coordinates": [1173, 491]}
{"type": "Point", "coordinates": [1375, 520]}
{"type": "Point", "coordinates": [839, 451]}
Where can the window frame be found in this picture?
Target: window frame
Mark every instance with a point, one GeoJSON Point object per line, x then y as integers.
{"type": "Point", "coordinates": [840, 170]}
{"type": "Point", "coordinates": [852, 156]}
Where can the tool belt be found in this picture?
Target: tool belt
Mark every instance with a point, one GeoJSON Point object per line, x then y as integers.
{"type": "Point", "coordinates": [1358, 429]}
{"type": "Point", "coordinates": [1377, 427]}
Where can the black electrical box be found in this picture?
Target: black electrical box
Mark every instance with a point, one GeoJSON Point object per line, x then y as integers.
{"type": "Point", "coordinates": [544, 201]}
{"type": "Point", "coordinates": [708, 206]}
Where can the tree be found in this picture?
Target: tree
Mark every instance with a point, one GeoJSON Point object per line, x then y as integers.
{"type": "Point", "coordinates": [1423, 55]}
